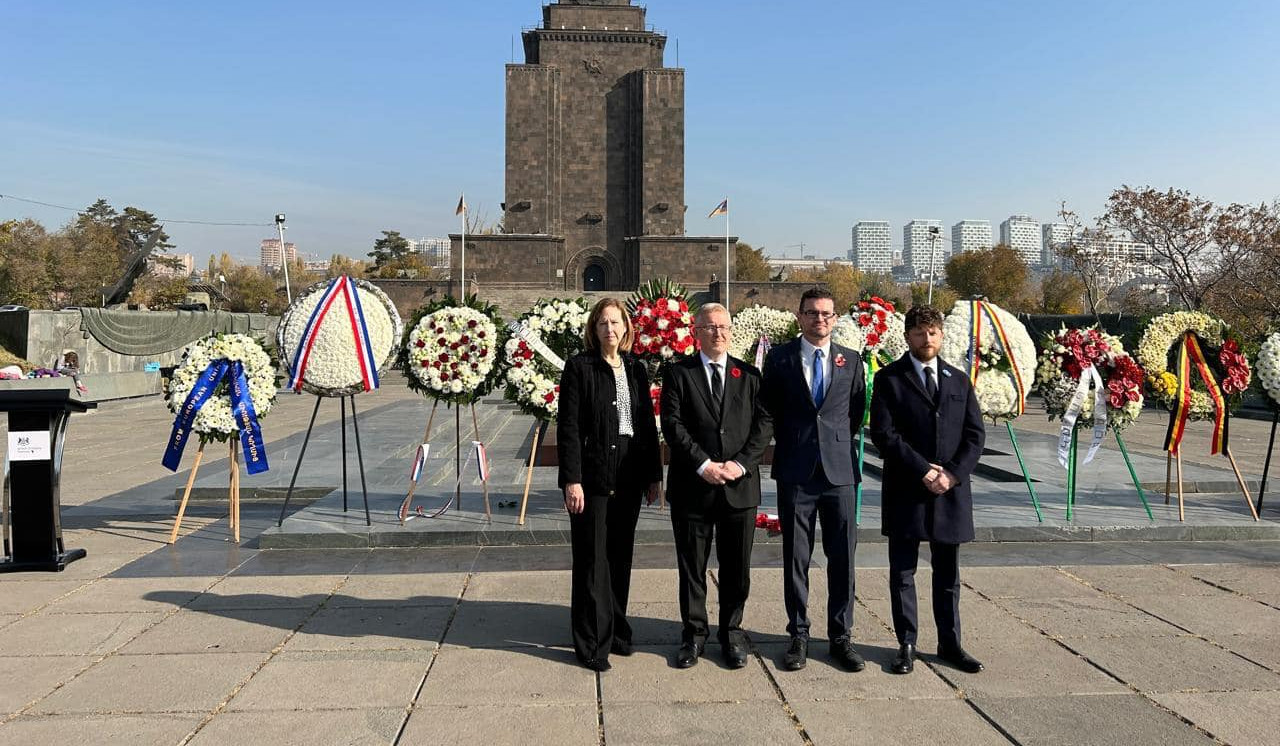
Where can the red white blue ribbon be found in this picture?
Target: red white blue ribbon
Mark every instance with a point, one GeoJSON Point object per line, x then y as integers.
{"type": "Point", "coordinates": [418, 461]}
{"type": "Point", "coordinates": [762, 349]}
{"type": "Point", "coordinates": [345, 287]}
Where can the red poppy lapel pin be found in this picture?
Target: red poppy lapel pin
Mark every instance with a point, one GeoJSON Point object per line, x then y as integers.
{"type": "Point", "coordinates": [735, 372]}
{"type": "Point", "coordinates": [839, 360]}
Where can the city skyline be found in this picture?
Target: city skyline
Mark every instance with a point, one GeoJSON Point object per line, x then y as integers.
{"type": "Point", "coordinates": [219, 131]}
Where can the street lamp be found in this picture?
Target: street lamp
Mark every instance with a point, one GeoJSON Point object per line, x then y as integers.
{"type": "Point", "coordinates": [935, 234]}
{"type": "Point", "coordinates": [284, 256]}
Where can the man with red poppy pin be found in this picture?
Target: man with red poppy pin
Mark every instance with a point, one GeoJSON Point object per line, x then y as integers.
{"type": "Point", "coordinates": [717, 431]}
{"type": "Point", "coordinates": [817, 400]}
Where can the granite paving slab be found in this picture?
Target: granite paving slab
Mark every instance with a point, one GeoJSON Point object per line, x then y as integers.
{"type": "Point", "coordinates": [350, 727]}
{"type": "Point", "coordinates": [1089, 721]}
{"type": "Point", "coordinates": [502, 725]}
{"type": "Point", "coordinates": [136, 730]}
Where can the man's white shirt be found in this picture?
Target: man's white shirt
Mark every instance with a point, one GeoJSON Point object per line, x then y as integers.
{"type": "Point", "coordinates": [723, 362]}
{"type": "Point", "coordinates": [806, 364]}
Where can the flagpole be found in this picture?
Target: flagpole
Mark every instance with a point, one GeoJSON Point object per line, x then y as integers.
{"type": "Point", "coordinates": [726, 258]}
{"type": "Point", "coordinates": [463, 206]}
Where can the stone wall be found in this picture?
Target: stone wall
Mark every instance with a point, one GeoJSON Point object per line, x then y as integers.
{"type": "Point", "coordinates": [784, 296]}
{"type": "Point", "coordinates": [43, 336]}
{"type": "Point", "coordinates": [511, 298]}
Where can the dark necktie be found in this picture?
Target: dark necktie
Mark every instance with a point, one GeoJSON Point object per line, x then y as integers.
{"type": "Point", "coordinates": [930, 385]}
{"type": "Point", "coordinates": [818, 390]}
{"type": "Point", "coordinates": [717, 385]}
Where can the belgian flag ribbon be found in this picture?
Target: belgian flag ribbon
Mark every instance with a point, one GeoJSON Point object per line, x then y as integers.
{"type": "Point", "coordinates": [1191, 360]}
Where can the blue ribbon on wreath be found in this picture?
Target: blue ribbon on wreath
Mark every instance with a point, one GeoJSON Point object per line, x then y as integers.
{"type": "Point", "coordinates": [246, 417]}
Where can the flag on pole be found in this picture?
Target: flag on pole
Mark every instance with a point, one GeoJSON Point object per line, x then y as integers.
{"type": "Point", "coordinates": [462, 205]}
{"type": "Point", "coordinates": [721, 209]}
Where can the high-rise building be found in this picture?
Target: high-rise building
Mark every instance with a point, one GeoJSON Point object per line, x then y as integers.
{"type": "Point", "coordinates": [922, 243]}
{"type": "Point", "coordinates": [970, 235]}
{"type": "Point", "coordinates": [1054, 237]}
{"type": "Point", "coordinates": [1022, 234]}
{"type": "Point", "coordinates": [872, 250]}
{"type": "Point", "coordinates": [436, 251]}
{"type": "Point", "coordinates": [271, 256]}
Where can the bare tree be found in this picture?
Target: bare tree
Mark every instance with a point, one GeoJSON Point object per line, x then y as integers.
{"type": "Point", "coordinates": [1251, 300]}
{"type": "Point", "coordinates": [1195, 245]}
{"type": "Point", "coordinates": [1083, 258]}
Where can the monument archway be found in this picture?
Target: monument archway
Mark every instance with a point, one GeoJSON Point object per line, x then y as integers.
{"type": "Point", "coordinates": [593, 268]}
{"type": "Point", "coordinates": [593, 277]}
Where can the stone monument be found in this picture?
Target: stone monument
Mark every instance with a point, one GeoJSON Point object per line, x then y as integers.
{"type": "Point", "coordinates": [594, 161]}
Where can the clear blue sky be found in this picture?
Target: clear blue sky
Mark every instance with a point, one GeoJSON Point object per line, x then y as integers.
{"type": "Point", "coordinates": [357, 117]}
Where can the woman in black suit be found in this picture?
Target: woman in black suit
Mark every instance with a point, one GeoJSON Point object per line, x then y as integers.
{"type": "Point", "coordinates": [608, 449]}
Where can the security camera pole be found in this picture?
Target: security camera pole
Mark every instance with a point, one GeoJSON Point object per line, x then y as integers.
{"type": "Point", "coordinates": [284, 257]}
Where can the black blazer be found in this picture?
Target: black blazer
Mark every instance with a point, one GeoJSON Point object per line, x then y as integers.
{"type": "Point", "coordinates": [695, 433]}
{"type": "Point", "coordinates": [802, 432]}
{"type": "Point", "coordinates": [587, 427]}
{"type": "Point", "coordinates": [912, 432]}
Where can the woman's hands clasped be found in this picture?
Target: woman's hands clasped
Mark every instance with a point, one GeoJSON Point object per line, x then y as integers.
{"type": "Point", "coordinates": [574, 499]}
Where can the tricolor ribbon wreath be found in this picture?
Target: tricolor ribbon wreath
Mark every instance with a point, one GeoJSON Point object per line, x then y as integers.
{"type": "Point", "coordinates": [997, 352]}
{"type": "Point", "coordinates": [1208, 377]}
{"type": "Point", "coordinates": [341, 287]}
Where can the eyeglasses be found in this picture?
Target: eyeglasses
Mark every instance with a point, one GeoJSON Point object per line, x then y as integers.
{"type": "Point", "coordinates": [716, 329]}
{"type": "Point", "coordinates": [824, 315]}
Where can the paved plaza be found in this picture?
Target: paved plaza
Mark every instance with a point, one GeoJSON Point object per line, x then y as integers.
{"type": "Point", "coordinates": [1088, 635]}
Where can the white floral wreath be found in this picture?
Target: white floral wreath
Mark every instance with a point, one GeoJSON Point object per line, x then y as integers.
{"type": "Point", "coordinates": [451, 352]}
{"type": "Point", "coordinates": [997, 383]}
{"type": "Point", "coordinates": [214, 421]}
{"type": "Point", "coordinates": [533, 382]}
{"type": "Point", "coordinates": [890, 345]}
{"type": "Point", "coordinates": [333, 367]}
{"type": "Point", "coordinates": [1268, 368]}
{"type": "Point", "coordinates": [754, 322]}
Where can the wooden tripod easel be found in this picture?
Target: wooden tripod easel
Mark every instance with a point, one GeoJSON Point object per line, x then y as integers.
{"type": "Point", "coordinates": [457, 465]}
{"type": "Point", "coordinates": [233, 492]}
{"type": "Point", "coordinates": [1176, 456]}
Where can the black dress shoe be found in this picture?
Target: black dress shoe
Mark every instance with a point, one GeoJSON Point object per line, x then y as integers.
{"type": "Point", "coordinates": [735, 654]}
{"type": "Point", "coordinates": [621, 647]}
{"type": "Point", "coordinates": [960, 659]}
{"type": "Point", "coordinates": [846, 655]}
{"type": "Point", "coordinates": [905, 660]}
{"type": "Point", "coordinates": [597, 664]}
{"type": "Point", "coordinates": [797, 655]}
{"type": "Point", "coordinates": [687, 656]}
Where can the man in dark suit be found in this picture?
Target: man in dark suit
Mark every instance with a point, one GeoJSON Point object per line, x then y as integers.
{"type": "Point", "coordinates": [717, 431]}
{"type": "Point", "coordinates": [816, 393]}
{"type": "Point", "coordinates": [926, 422]}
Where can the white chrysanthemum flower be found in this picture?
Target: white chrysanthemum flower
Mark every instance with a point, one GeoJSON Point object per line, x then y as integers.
{"type": "Point", "coordinates": [215, 417]}
{"type": "Point", "coordinates": [997, 396]}
{"type": "Point", "coordinates": [754, 322]}
{"type": "Point", "coordinates": [333, 365]}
